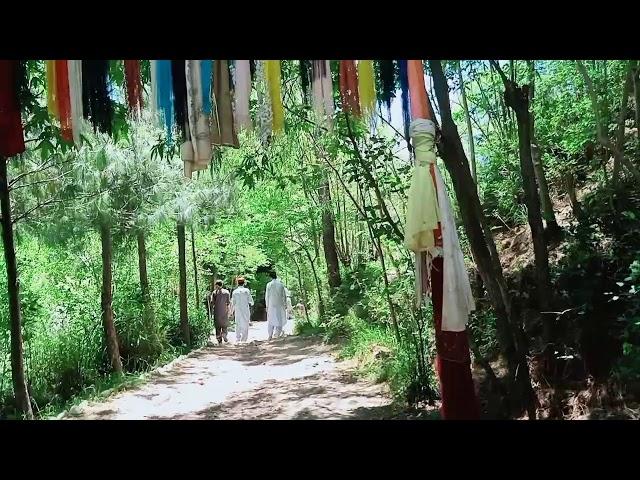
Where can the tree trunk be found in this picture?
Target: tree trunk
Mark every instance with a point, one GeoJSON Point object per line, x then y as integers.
{"type": "Point", "coordinates": [144, 278]}
{"type": "Point", "coordinates": [510, 333]}
{"type": "Point", "coordinates": [142, 266]}
{"type": "Point", "coordinates": [467, 117]}
{"type": "Point", "coordinates": [518, 99]}
{"type": "Point", "coordinates": [345, 226]}
{"type": "Point", "coordinates": [452, 153]}
{"type": "Point", "coordinates": [340, 244]}
{"type": "Point", "coordinates": [570, 183]}
{"type": "Point", "coordinates": [545, 199]}
{"type": "Point", "coordinates": [113, 350]}
{"type": "Point", "coordinates": [18, 376]}
{"type": "Point", "coordinates": [385, 278]}
{"type": "Point", "coordinates": [316, 279]}
{"type": "Point", "coordinates": [622, 116]}
{"type": "Point", "coordinates": [329, 237]}
{"type": "Point", "coordinates": [195, 267]}
{"type": "Point", "coordinates": [182, 291]}
{"type": "Point", "coordinates": [495, 383]}
{"type": "Point", "coordinates": [303, 291]}
{"type": "Point", "coordinates": [636, 96]}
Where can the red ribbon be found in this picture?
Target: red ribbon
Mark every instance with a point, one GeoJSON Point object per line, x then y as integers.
{"type": "Point", "coordinates": [11, 134]}
{"type": "Point", "coordinates": [349, 87]}
{"type": "Point", "coordinates": [134, 85]}
{"type": "Point", "coordinates": [64, 99]}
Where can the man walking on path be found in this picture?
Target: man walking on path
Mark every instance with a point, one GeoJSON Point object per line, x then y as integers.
{"type": "Point", "coordinates": [241, 300]}
{"type": "Point", "coordinates": [276, 301]}
{"type": "Point", "coordinates": [219, 301]}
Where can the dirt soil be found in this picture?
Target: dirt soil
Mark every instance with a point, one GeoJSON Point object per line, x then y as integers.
{"type": "Point", "coordinates": [288, 378]}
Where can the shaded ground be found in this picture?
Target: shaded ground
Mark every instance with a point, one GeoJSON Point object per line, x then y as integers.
{"type": "Point", "coordinates": [289, 378]}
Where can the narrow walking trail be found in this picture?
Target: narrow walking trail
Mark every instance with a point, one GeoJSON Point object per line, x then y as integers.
{"type": "Point", "coordinates": [288, 378]}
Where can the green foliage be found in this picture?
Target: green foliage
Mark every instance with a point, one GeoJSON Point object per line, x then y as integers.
{"type": "Point", "coordinates": [482, 328]}
{"type": "Point", "coordinates": [64, 348]}
{"type": "Point", "coordinates": [628, 367]}
{"type": "Point", "coordinates": [382, 358]}
{"type": "Point", "coordinates": [564, 125]}
{"type": "Point", "coordinates": [359, 318]}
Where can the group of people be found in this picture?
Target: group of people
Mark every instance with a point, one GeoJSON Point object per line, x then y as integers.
{"type": "Point", "coordinates": [221, 305]}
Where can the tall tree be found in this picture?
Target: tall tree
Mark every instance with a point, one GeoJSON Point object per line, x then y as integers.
{"type": "Point", "coordinates": [517, 98]}
{"type": "Point", "coordinates": [601, 131]}
{"type": "Point", "coordinates": [17, 361]}
{"type": "Point", "coordinates": [98, 176]}
{"type": "Point", "coordinates": [467, 118]}
{"type": "Point", "coordinates": [142, 269]}
{"type": "Point", "coordinates": [195, 266]}
{"type": "Point", "coordinates": [182, 289]}
{"type": "Point", "coordinates": [510, 333]}
{"type": "Point", "coordinates": [538, 168]}
{"type": "Point", "coordinates": [329, 236]}
{"type": "Point", "coordinates": [113, 349]}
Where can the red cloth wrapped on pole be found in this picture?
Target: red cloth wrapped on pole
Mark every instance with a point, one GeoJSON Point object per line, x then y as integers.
{"type": "Point", "coordinates": [453, 360]}
{"type": "Point", "coordinates": [11, 134]}
{"type": "Point", "coordinates": [349, 87]}
{"type": "Point", "coordinates": [64, 99]}
{"type": "Point", "coordinates": [134, 85]}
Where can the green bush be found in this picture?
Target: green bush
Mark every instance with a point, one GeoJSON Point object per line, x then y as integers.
{"type": "Point", "coordinates": [385, 360]}
{"type": "Point", "coordinates": [628, 367]}
{"type": "Point", "coordinates": [482, 326]}
{"type": "Point", "coordinates": [60, 285]}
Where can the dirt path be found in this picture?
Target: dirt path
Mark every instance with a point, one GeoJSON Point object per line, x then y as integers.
{"type": "Point", "coordinates": [289, 378]}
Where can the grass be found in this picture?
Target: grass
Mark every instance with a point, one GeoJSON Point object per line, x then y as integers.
{"type": "Point", "coordinates": [105, 387]}
{"type": "Point", "coordinates": [375, 350]}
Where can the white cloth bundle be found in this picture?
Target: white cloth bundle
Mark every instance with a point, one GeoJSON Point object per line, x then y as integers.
{"type": "Point", "coordinates": [242, 93]}
{"type": "Point", "coordinates": [427, 207]}
{"type": "Point", "coordinates": [457, 299]}
{"type": "Point", "coordinates": [195, 152]}
{"type": "Point", "coordinates": [74, 67]}
{"type": "Point", "coordinates": [153, 100]}
{"type": "Point", "coordinates": [322, 91]}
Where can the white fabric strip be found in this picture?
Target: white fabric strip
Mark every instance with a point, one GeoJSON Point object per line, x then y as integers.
{"type": "Point", "coordinates": [153, 97]}
{"type": "Point", "coordinates": [457, 299]}
{"type": "Point", "coordinates": [195, 152]}
{"type": "Point", "coordinates": [74, 67]}
{"type": "Point", "coordinates": [242, 94]}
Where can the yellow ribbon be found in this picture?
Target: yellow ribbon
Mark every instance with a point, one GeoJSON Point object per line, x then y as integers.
{"type": "Point", "coordinates": [366, 87]}
{"type": "Point", "coordinates": [275, 93]}
{"type": "Point", "coordinates": [52, 101]}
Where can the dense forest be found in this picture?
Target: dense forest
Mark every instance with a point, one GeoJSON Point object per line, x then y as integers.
{"type": "Point", "coordinates": [115, 248]}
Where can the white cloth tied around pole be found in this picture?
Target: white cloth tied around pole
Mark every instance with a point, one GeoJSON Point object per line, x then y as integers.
{"type": "Point", "coordinates": [429, 204]}
{"type": "Point", "coordinates": [457, 299]}
{"type": "Point", "coordinates": [422, 209]}
{"type": "Point", "coordinates": [422, 204]}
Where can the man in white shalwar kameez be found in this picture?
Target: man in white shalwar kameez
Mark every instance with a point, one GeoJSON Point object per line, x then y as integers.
{"type": "Point", "coordinates": [241, 300]}
{"type": "Point", "coordinates": [276, 302]}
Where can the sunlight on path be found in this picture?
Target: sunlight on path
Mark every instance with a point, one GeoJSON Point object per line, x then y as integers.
{"type": "Point", "coordinates": [287, 378]}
